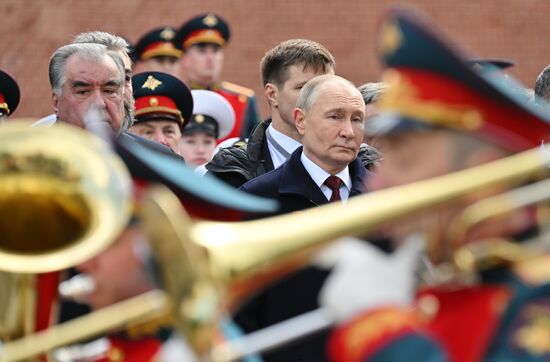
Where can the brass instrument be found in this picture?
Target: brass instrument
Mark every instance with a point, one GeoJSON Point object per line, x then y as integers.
{"type": "Point", "coordinates": [201, 263]}
{"type": "Point", "coordinates": [64, 196]}
{"type": "Point", "coordinates": [471, 257]}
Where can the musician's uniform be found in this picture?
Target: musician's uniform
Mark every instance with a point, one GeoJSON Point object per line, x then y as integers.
{"type": "Point", "coordinates": [506, 315]}
{"type": "Point", "coordinates": [505, 318]}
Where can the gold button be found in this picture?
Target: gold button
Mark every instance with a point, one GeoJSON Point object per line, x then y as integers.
{"type": "Point", "coordinates": [115, 355]}
{"type": "Point", "coordinates": [428, 306]}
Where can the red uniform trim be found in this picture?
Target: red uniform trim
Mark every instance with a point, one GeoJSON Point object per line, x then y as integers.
{"type": "Point", "coordinates": [467, 319]}
{"type": "Point", "coordinates": [160, 48]}
{"type": "Point", "coordinates": [440, 100]}
{"type": "Point", "coordinates": [368, 332]}
{"type": "Point", "coordinates": [239, 102]}
{"type": "Point", "coordinates": [46, 301]}
{"type": "Point", "coordinates": [204, 36]}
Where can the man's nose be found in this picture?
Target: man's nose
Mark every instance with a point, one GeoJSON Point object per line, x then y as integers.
{"type": "Point", "coordinates": [98, 98]}
{"type": "Point", "coordinates": [160, 138]}
{"type": "Point", "coordinates": [347, 130]}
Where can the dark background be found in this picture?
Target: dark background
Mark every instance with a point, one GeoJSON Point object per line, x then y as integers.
{"type": "Point", "coordinates": [32, 29]}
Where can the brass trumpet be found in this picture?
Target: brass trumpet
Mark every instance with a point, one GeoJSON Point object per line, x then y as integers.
{"type": "Point", "coordinates": [200, 264]}
{"type": "Point", "coordinates": [64, 196]}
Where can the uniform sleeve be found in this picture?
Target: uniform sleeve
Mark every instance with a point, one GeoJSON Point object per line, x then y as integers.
{"type": "Point", "coordinates": [251, 117]}
{"type": "Point", "coordinates": [384, 335]}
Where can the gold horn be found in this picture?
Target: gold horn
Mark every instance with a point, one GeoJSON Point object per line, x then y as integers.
{"type": "Point", "coordinates": [201, 263]}
{"type": "Point", "coordinates": [207, 263]}
{"type": "Point", "coordinates": [64, 196]}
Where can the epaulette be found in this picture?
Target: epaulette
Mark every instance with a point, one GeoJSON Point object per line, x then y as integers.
{"type": "Point", "coordinates": [238, 89]}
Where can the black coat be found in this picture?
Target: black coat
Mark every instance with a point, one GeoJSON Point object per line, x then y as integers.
{"type": "Point", "coordinates": [237, 164]}
{"type": "Point", "coordinates": [292, 186]}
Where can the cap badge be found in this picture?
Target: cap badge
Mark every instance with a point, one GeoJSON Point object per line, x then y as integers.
{"type": "Point", "coordinates": [167, 34]}
{"type": "Point", "coordinates": [153, 101]}
{"type": "Point", "coordinates": [390, 39]}
{"type": "Point", "coordinates": [199, 118]}
{"type": "Point", "coordinates": [210, 20]}
{"type": "Point", "coordinates": [151, 83]}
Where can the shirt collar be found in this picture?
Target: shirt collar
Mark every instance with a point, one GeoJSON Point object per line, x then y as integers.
{"type": "Point", "coordinates": [289, 144]}
{"type": "Point", "coordinates": [319, 175]}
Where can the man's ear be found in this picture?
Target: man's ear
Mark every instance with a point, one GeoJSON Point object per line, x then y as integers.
{"type": "Point", "coordinates": [55, 100]}
{"type": "Point", "coordinates": [300, 120]}
{"type": "Point", "coordinates": [271, 93]}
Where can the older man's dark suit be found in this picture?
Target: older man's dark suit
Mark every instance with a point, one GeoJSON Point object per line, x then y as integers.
{"type": "Point", "coordinates": [292, 185]}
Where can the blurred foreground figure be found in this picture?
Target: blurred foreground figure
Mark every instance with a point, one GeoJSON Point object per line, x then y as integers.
{"type": "Point", "coordinates": [439, 116]}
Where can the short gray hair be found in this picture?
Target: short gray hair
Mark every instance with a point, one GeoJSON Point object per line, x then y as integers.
{"type": "Point", "coordinates": [309, 92]}
{"type": "Point", "coordinates": [88, 51]}
{"type": "Point", "coordinates": [111, 41]}
{"type": "Point", "coordinates": [542, 84]}
{"type": "Point", "coordinates": [371, 92]}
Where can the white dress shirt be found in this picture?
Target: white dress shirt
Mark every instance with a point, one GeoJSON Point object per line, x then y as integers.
{"type": "Point", "coordinates": [319, 176]}
{"type": "Point", "coordinates": [283, 143]}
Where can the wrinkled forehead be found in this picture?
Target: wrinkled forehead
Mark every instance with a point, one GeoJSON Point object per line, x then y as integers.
{"type": "Point", "coordinates": [335, 92]}
{"type": "Point", "coordinates": [97, 70]}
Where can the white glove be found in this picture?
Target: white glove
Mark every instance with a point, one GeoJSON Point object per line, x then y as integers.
{"type": "Point", "coordinates": [364, 277]}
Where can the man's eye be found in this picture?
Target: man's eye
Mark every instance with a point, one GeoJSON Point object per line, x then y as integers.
{"type": "Point", "coordinates": [110, 91]}
{"type": "Point", "coordinates": [81, 92]}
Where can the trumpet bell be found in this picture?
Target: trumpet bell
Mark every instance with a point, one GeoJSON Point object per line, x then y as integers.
{"type": "Point", "coordinates": [64, 196]}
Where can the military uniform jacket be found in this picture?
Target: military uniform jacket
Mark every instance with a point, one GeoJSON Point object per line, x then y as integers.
{"type": "Point", "coordinates": [507, 318]}
{"type": "Point", "coordinates": [243, 102]}
{"type": "Point", "coordinates": [297, 294]}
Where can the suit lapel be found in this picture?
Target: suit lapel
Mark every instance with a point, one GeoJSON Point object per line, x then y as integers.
{"type": "Point", "coordinates": [296, 180]}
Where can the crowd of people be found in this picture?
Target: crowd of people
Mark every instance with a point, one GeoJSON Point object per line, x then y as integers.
{"type": "Point", "coordinates": [396, 295]}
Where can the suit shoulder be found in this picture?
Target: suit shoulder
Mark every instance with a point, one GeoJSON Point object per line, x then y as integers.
{"type": "Point", "coordinates": [235, 88]}
{"type": "Point", "coordinates": [264, 185]}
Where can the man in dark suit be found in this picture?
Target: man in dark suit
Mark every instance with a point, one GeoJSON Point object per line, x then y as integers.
{"type": "Point", "coordinates": [330, 117]}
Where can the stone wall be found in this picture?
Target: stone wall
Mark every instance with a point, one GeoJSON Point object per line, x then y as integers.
{"type": "Point", "coordinates": [33, 29]}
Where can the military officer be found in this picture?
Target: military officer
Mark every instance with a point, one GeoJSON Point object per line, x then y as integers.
{"type": "Point", "coordinates": [9, 95]}
{"type": "Point", "coordinates": [440, 116]}
{"type": "Point", "coordinates": [163, 106]}
{"type": "Point", "coordinates": [155, 52]}
{"type": "Point", "coordinates": [202, 40]}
